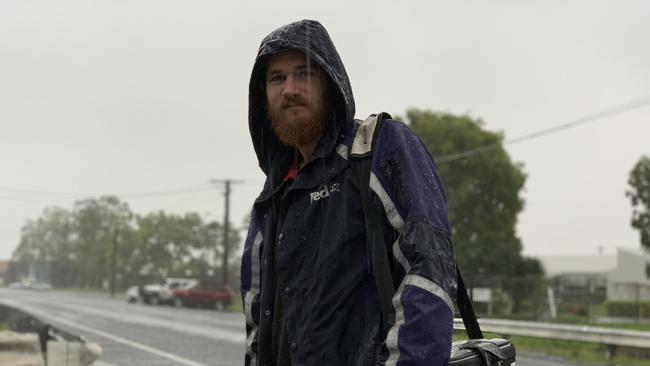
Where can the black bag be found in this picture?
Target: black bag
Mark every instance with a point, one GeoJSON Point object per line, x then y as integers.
{"type": "Point", "coordinates": [476, 351]}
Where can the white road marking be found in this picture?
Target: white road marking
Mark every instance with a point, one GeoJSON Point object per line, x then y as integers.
{"type": "Point", "coordinates": [131, 343]}
{"type": "Point", "coordinates": [219, 333]}
{"type": "Point", "coordinates": [102, 363]}
{"type": "Point", "coordinates": [112, 337]}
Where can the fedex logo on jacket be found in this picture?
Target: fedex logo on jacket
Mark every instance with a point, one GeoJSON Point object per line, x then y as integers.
{"type": "Point", "coordinates": [324, 191]}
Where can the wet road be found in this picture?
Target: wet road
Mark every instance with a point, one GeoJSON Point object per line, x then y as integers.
{"type": "Point", "coordinates": [139, 335]}
{"type": "Point", "coordinates": [136, 334]}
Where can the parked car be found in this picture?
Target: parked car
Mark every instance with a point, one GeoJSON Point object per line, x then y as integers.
{"type": "Point", "coordinates": [204, 294]}
{"type": "Point", "coordinates": [133, 294]}
{"type": "Point", "coordinates": [38, 285]}
{"type": "Point", "coordinates": [166, 294]}
{"type": "Point", "coordinates": [156, 294]}
{"type": "Point", "coordinates": [31, 284]}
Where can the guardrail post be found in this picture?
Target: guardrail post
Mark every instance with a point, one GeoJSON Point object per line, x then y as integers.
{"type": "Point", "coordinates": [611, 351]}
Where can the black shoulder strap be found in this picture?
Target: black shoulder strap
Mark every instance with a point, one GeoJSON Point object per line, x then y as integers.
{"type": "Point", "coordinates": [361, 161]}
{"type": "Point", "coordinates": [466, 310]}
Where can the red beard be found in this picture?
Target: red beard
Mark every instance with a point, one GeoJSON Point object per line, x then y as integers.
{"type": "Point", "coordinates": [297, 122]}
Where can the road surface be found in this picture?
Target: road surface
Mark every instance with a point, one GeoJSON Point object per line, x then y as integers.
{"type": "Point", "coordinates": [139, 335]}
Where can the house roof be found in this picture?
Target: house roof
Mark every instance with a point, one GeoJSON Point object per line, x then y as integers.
{"type": "Point", "coordinates": [572, 264]}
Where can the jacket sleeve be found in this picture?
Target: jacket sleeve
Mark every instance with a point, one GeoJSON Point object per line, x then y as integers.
{"type": "Point", "coordinates": [405, 180]}
{"type": "Point", "coordinates": [250, 287]}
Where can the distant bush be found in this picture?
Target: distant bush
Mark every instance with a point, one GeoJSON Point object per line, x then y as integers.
{"type": "Point", "coordinates": [572, 309]}
{"type": "Point", "coordinates": [630, 309]}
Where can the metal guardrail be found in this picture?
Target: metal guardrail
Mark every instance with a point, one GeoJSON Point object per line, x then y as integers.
{"type": "Point", "coordinates": [607, 336]}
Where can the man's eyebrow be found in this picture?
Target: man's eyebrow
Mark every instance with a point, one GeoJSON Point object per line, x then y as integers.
{"type": "Point", "coordinates": [309, 66]}
{"type": "Point", "coordinates": [299, 67]}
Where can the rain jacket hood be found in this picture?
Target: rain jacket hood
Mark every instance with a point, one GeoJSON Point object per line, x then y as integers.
{"type": "Point", "coordinates": [311, 38]}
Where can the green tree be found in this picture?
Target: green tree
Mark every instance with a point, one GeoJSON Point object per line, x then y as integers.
{"type": "Point", "coordinates": [42, 239]}
{"type": "Point", "coordinates": [180, 245]}
{"type": "Point", "coordinates": [83, 246]}
{"type": "Point", "coordinates": [483, 195]}
{"type": "Point", "coordinates": [639, 194]}
{"type": "Point", "coordinates": [98, 225]}
{"type": "Point", "coordinates": [46, 241]}
{"type": "Point", "coordinates": [526, 286]}
{"type": "Point", "coordinates": [166, 243]}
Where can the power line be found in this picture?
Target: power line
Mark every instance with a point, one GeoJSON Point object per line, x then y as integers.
{"type": "Point", "coordinates": [200, 188]}
{"type": "Point", "coordinates": [635, 104]}
{"type": "Point", "coordinates": [204, 187]}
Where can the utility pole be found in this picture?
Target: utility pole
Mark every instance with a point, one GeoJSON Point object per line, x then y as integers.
{"type": "Point", "coordinates": [226, 222]}
{"type": "Point", "coordinates": [114, 263]}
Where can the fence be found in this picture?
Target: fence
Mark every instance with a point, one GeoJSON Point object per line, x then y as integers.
{"type": "Point", "coordinates": [610, 337]}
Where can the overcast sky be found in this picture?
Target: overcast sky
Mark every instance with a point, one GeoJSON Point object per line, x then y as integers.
{"type": "Point", "coordinates": [124, 97]}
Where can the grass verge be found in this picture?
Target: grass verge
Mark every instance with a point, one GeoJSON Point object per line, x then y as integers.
{"type": "Point", "coordinates": [236, 306]}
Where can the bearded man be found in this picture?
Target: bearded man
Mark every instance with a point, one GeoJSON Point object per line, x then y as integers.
{"type": "Point", "coordinates": [310, 294]}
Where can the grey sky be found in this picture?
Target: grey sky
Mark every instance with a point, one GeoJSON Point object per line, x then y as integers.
{"type": "Point", "coordinates": [112, 97]}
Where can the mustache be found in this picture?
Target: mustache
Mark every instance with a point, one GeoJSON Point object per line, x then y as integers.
{"type": "Point", "coordinates": [295, 102]}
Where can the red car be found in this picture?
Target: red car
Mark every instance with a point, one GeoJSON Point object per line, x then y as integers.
{"type": "Point", "coordinates": [203, 294]}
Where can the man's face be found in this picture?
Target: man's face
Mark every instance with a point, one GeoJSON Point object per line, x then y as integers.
{"type": "Point", "coordinates": [295, 92]}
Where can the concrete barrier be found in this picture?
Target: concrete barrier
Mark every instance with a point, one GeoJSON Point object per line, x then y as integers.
{"type": "Point", "coordinates": [72, 353]}
{"type": "Point", "coordinates": [20, 349]}
{"type": "Point", "coordinates": [33, 342]}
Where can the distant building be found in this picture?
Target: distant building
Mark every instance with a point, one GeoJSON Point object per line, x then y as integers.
{"type": "Point", "coordinates": [623, 276]}
{"type": "Point", "coordinates": [578, 274]}
{"type": "Point", "coordinates": [630, 280]}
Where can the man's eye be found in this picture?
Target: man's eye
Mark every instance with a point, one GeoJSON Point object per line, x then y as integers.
{"type": "Point", "coordinates": [307, 74]}
{"type": "Point", "coordinates": [276, 78]}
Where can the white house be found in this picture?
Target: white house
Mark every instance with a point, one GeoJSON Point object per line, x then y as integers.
{"type": "Point", "coordinates": [586, 274]}
{"type": "Point", "coordinates": [629, 280]}
{"type": "Point", "coordinates": [623, 276]}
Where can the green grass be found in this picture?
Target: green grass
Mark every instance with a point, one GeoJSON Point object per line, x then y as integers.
{"type": "Point", "coordinates": [236, 306]}
{"type": "Point", "coordinates": [583, 321]}
{"type": "Point", "coordinates": [642, 327]}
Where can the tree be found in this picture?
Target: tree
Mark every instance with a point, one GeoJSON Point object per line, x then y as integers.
{"type": "Point", "coordinates": [639, 194]}
{"type": "Point", "coordinates": [99, 224]}
{"type": "Point", "coordinates": [180, 245]}
{"type": "Point", "coordinates": [526, 286]}
{"type": "Point", "coordinates": [172, 245]}
{"type": "Point", "coordinates": [46, 241]}
{"type": "Point", "coordinates": [44, 238]}
{"type": "Point", "coordinates": [483, 194]}
{"type": "Point", "coordinates": [101, 240]}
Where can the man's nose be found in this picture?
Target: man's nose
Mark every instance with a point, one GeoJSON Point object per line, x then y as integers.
{"type": "Point", "coordinates": [291, 87]}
